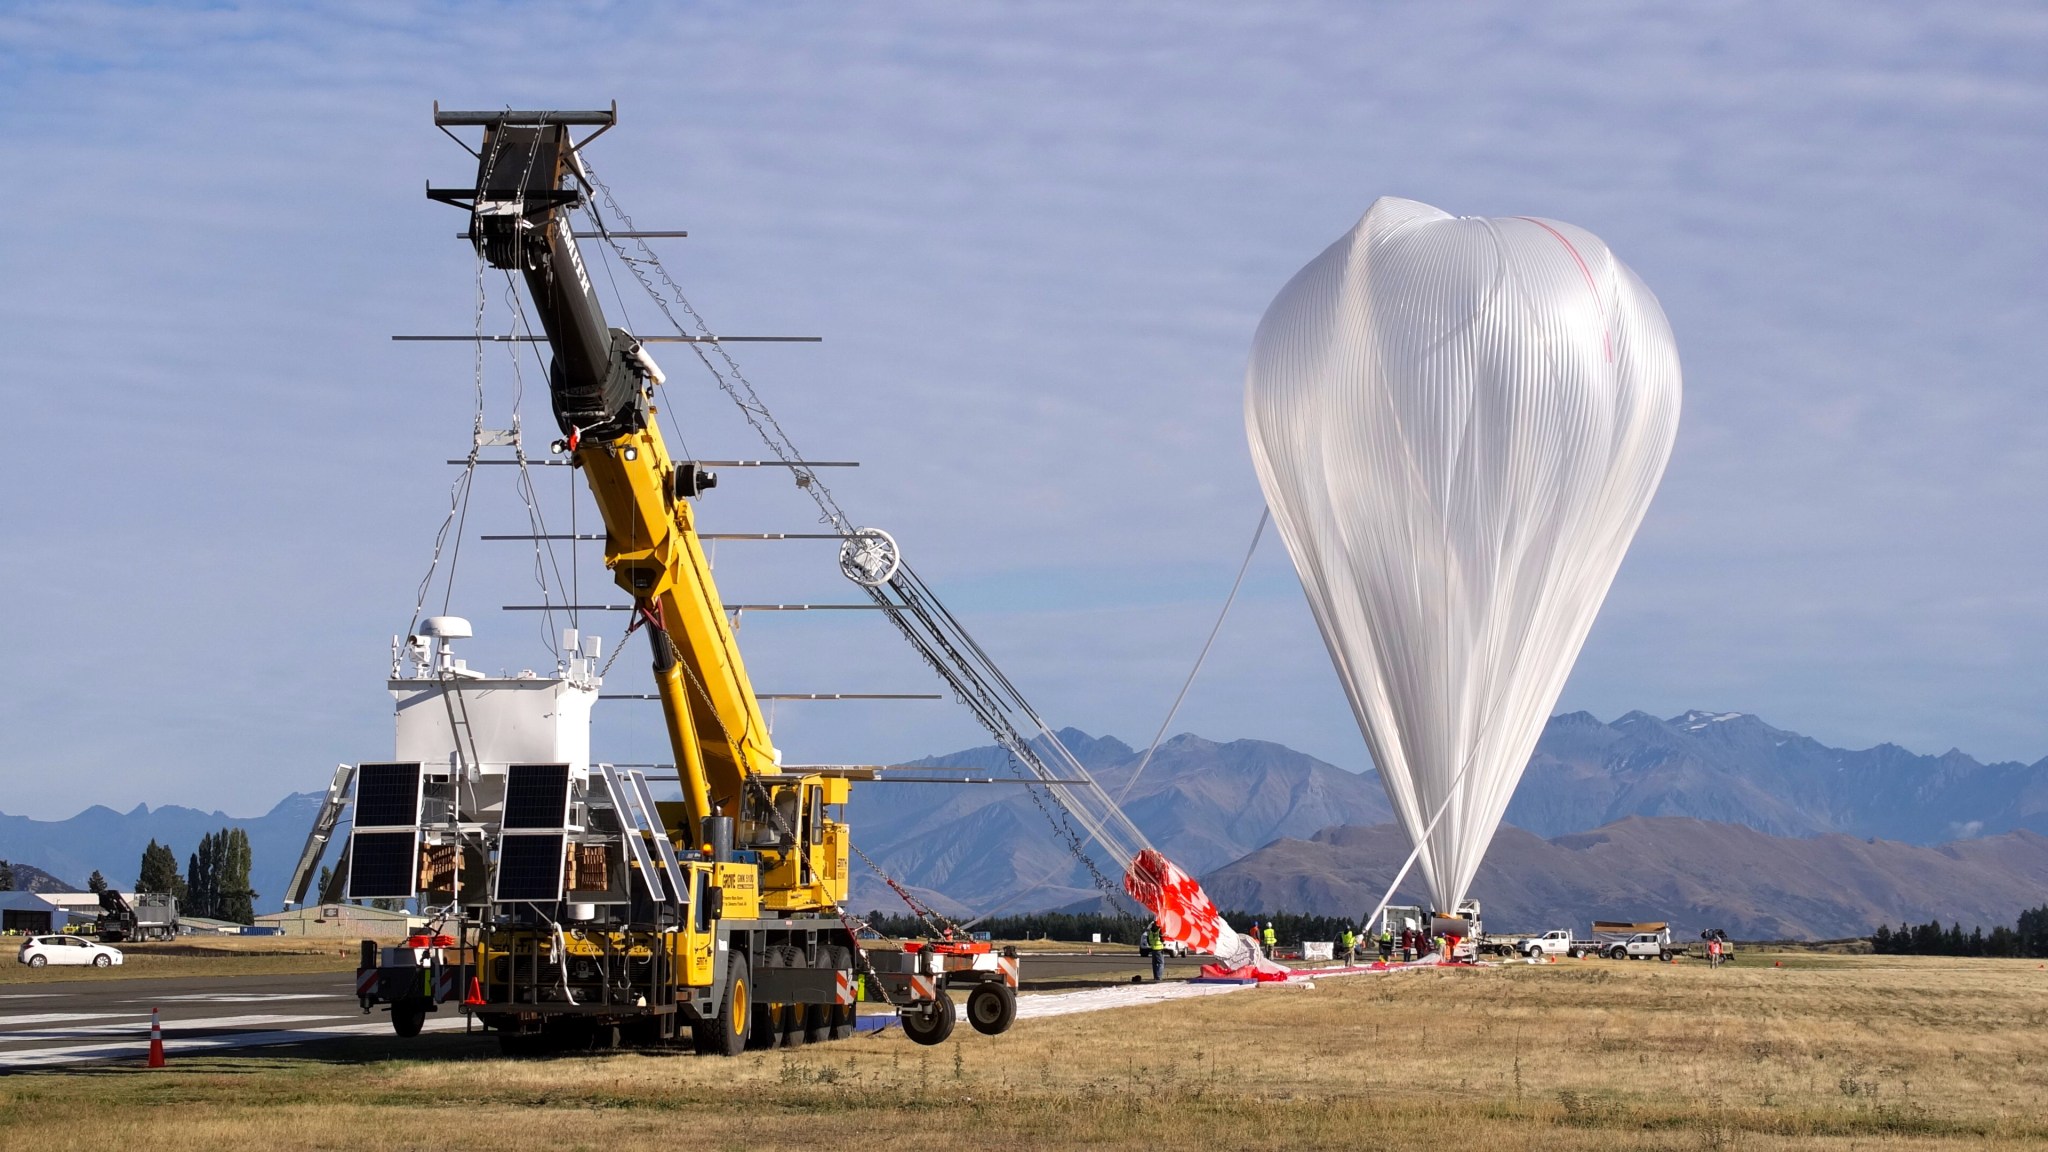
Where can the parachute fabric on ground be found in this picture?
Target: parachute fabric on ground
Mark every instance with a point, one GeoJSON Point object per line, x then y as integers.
{"type": "Point", "coordinates": [1458, 423]}
{"type": "Point", "coordinates": [1185, 913]}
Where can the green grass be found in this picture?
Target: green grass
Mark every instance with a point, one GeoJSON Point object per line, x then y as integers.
{"type": "Point", "coordinates": [1822, 1053]}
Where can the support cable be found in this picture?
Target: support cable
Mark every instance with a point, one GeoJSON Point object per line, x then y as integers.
{"type": "Point", "coordinates": [933, 633]}
{"type": "Point", "coordinates": [1265, 514]}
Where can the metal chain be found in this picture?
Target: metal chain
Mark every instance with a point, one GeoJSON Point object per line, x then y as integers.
{"type": "Point", "coordinates": [918, 908]}
{"type": "Point", "coordinates": [853, 927]}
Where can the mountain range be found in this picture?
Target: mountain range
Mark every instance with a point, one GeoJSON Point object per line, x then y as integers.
{"type": "Point", "coordinates": [1736, 769]}
{"type": "Point", "coordinates": [989, 848]}
{"type": "Point", "coordinates": [1271, 826]}
{"type": "Point", "coordinates": [1692, 873]}
{"type": "Point", "coordinates": [1207, 804]}
{"type": "Point", "coordinates": [111, 842]}
{"type": "Point", "coordinates": [29, 878]}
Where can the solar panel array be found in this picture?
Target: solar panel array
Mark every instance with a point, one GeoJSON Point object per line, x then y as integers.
{"type": "Point", "coordinates": [383, 851]}
{"type": "Point", "coordinates": [381, 864]}
{"type": "Point", "coordinates": [536, 797]}
{"type": "Point", "coordinates": [535, 823]}
{"type": "Point", "coordinates": [530, 867]}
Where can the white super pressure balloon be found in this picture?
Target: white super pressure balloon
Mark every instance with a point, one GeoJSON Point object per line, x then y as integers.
{"type": "Point", "coordinates": [1459, 423]}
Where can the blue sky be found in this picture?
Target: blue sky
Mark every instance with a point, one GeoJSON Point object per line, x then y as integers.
{"type": "Point", "coordinates": [1035, 239]}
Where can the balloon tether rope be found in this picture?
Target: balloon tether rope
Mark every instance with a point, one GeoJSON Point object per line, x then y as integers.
{"type": "Point", "coordinates": [1265, 514]}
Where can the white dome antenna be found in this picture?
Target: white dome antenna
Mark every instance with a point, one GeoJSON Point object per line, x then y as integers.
{"type": "Point", "coordinates": [446, 628]}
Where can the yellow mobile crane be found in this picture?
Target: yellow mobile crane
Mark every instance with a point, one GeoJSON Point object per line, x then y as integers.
{"type": "Point", "coordinates": [601, 916]}
{"type": "Point", "coordinates": [602, 382]}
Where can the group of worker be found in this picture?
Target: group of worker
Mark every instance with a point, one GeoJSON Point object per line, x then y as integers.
{"type": "Point", "coordinates": [1408, 944]}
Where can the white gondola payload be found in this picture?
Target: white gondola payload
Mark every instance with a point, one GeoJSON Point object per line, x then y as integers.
{"type": "Point", "coordinates": [1458, 424]}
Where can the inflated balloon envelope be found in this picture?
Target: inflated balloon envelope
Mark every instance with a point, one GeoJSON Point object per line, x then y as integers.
{"type": "Point", "coordinates": [1458, 423]}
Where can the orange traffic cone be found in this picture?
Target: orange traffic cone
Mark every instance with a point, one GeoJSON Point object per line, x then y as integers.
{"type": "Point", "coordinates": [156, 1039]}
{"type": "Point", "coordinates": [475, 998]}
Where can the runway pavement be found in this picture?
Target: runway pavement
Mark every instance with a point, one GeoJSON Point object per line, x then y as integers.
{"type": "Point", "coordinates": [99, 1018]}
{"type": "Point", "coordinates": [88, 1020]}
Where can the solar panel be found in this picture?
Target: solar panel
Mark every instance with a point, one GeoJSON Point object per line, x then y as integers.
{"type": "Point", "coordinates": [530, 867]}
{"type": "Point", "coordinates": [388, 796]}
{"type": "Point", "coordinates": [536, 797]}
{"type": "Point", "coordinates": [382, 864]}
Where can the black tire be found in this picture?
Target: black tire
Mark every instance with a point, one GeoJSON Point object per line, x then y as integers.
{"type": "Point", "coordinates": [408, 1019]}
{"type": "Point", "coordinates": [817, 1023]}
{"type": "Point", "coordinates": [726, 1034]}
{"type": "Point", "coordinates": [790, 1031]}
{"type": "Point", "coordinates": [930, 1023]}
{"type": "Point", "coordinates": [843, 1017]}
{"type": "Point", "coordinates": [991, 1007]}
{"type": "Point", "coordinates": [763, 1029]}
{"type": "Point", "coordinates": [38, 961]}
{"type": "Point", "coordinates": [103, 961]}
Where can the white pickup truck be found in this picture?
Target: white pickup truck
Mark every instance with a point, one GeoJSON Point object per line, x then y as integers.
{"type": "Point", "coordinates": [1642, 946]}
{"type": "Point", "coordinates": [1556, 942]}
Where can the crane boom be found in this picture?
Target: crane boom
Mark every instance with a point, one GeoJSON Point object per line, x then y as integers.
{"type": "Point", "coordinates": [601, 382]}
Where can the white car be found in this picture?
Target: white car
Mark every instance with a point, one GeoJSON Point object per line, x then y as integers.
{"type": "Point", "coordinates": [38, 951]}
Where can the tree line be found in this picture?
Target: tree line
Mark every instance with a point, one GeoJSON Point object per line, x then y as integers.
{"type": "Point", "coordinates": [2028, 938]}
{"type": "Point", "coordinates": [215, 885]}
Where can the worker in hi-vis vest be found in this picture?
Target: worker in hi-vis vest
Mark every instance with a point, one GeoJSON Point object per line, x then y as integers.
{"type": "Point", "coordinates": [1269, 938]}
{"type": "Point", "coordinates": [1386, 942]}
{"type": "Point", "coordinates": [1349, 942]}
{"type": "Point", "coordinates": [1155, 943]}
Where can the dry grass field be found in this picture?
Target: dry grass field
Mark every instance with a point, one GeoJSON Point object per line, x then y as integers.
{"type": "Point", "coordinates": [197, 956]}
{"type": "Point", "coordinates": [1825, 1052]}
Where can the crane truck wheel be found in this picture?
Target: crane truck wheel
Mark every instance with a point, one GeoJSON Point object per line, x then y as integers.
{"type": "Point", "coordinates": [726, 1033]}
{"type": "Point", "coordinates": [408, 1019]}
{"type": "Point", "coordinates": [790, 1030]}
{"type": "Point", "coordinates": [930, 1023]}
{"type": "Point", "coordinates": [818, 1023]}
{"type": "Point", "coordinates": [991, 1007]}
{"type": "Point", "coordinates": [843, 1017]}
{"type": "Point", "coordinates": [764, 1026]}
{"type": "Point", "coordinates": [764, 1029]}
